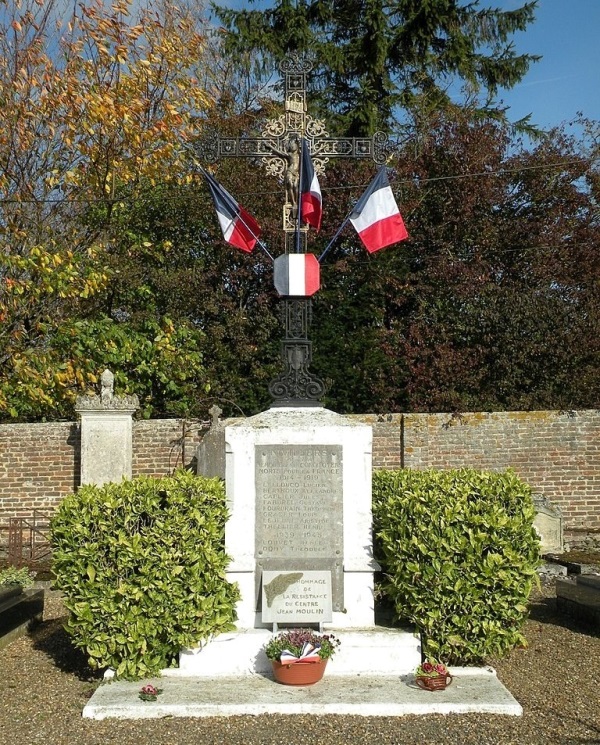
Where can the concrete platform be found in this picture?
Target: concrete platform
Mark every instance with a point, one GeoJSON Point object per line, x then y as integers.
{"type": "Point", "coordinates": [19, 611]}
{"type": "Point", "coordinates": [475, 690]}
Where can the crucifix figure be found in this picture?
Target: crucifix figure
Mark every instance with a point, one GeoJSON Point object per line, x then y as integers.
{"type": "Point", "coordinates": [278, 134]}
{"type": "Point", "coordinates": [291, 179]}
{"type": "Point", "coordinates": [279, 150]}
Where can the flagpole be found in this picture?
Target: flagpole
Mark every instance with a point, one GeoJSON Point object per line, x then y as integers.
{"type": "Point", "coordinates": [333, 240]}
{"type": "Point", "coordinates": [299, 197]}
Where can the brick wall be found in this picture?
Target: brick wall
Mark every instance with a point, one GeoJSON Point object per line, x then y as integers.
{"type": "Point", "coordinates": [161, 445]}
{"type": "Point", "coordinates": [558, 453]}
{"type": "Point", "coordinates": [39, 465]}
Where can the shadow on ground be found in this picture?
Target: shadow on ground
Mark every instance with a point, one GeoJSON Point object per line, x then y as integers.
{"type": "Point", "coordinates": [51, 638]}
{"type": "Point", "coordinates": [544, 610]}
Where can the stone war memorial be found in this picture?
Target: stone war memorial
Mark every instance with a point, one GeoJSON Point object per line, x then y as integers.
{"type": "Point", "coordinates": [298, 476]}
{"type": "Point", "coordinates": [298, 481]}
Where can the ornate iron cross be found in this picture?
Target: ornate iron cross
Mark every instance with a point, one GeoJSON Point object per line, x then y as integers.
{"type": "Point", "coordinates": [296, 385]}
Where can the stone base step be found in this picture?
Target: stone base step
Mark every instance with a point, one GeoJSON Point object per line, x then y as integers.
{"type": "Point", "coordinates": [473, 690]}
{"type": "Point", "coordinates": [373, 651]}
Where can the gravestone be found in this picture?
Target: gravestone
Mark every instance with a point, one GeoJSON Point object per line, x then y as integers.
{"type": "Point", "coordinates": [210, 454]}
{"type": "Point", "coordinates": [106, 434]}
{"type": "Point", "coordinates": [19, 611]}
{"type": "Point", "coordinates": [549, 525]}
{"type": "Point", "coordinates": [579, 597]}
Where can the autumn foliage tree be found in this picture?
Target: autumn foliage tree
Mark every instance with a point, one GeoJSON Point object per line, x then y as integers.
{"type": "Point", "coordinates": [95, 105]}
{"type": "Point", "coordinates": [111, 254]}
{"type": "Point", "coordinates": [492, 304]}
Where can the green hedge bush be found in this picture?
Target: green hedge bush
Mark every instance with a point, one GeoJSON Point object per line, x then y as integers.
{"type": "Point", "coordinates": [142, 568]}
{"type": "Point", "coordinates": [459, 553]}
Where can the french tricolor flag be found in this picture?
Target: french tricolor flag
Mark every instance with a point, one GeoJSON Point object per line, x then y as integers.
{"type": "Point", "coordinates": [296, 275]}
{"type": "Point", "coordinates": [376, 216]}
{"type": "Point", "coordinates": [311, 202]}
{"type": "Point", "coordinates": [239, 228]}
{"type": "Point", "coordinates": [309, 653]}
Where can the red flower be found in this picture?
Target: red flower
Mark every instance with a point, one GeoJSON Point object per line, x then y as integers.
{"type": "Point", "coordinates": [441, 669]}
{"type": "Point", "coordinates": [427, 667]}
{"type": "Point", "coordinates": [149, 690]}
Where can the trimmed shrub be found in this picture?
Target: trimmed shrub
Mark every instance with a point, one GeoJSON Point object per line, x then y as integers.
{"type": "Point", "coordinates": [142, 567]}
{"type": "Point", "coordinates": [459, 553]}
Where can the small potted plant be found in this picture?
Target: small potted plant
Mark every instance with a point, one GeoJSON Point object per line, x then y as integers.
{"type": "Point", "coordinates": [432, 676]}
{"type": "Point", "coordinates": [299, 656]}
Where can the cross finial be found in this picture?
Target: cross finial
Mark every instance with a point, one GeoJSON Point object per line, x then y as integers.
{"type": "Point", "coordinates": [215, 412]}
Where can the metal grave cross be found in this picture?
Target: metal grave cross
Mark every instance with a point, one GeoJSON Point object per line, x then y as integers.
{"type": "Point", "coordinates": [296, 386]}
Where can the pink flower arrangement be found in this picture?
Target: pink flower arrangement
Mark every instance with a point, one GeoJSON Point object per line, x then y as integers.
{"type": "Point", "coordinates": [430, 669]}
{"type": "Point", "coordinates": [150, 692]}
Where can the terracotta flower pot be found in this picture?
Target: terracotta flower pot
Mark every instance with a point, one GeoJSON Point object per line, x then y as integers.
{"type": "Point", "coordinates": [434, 683]}
{"type": "Point", "coordinates": [299, 673]}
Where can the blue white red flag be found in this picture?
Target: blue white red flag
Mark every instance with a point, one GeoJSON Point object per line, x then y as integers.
{"type": "Point", "coordinates": [239, 228]}
{"type": "Point", "coordinates": [311, 202]}
{"type": "Point", "coordinates": [296, 275]}
{"type": "Point", "coordinates": [376, 216]}
{"type": "Point", "coordinates": [309, 653]}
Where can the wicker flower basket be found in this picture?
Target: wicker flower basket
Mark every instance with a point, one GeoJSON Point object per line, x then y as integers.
{"type": "Point", "coordinates": [434, 683]}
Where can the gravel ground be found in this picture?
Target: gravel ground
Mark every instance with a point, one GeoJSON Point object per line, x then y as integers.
{"type": "Point", "coordinates": [44, 685]}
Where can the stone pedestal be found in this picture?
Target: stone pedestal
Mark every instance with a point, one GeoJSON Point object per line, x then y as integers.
{"type": "Point", "coordinates": [106, 434]}
{"type": "Point", "coordinates": [299, 494]}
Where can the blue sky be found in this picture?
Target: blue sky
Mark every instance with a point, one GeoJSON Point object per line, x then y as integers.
{"type": "Point", "coordinates": [567, 79]}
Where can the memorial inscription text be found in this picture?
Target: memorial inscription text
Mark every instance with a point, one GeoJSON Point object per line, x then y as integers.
{"type": "Point", "coordinates": [299, 501]}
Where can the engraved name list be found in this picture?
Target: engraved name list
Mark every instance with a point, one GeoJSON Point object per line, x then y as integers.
{"type": "Point", "coordinates": [299, 501]}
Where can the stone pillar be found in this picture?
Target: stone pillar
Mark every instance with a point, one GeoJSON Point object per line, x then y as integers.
{"type": "Point", "coordinates": [106, 434]}
{"type": "Point", "coordinates": [299, 493]}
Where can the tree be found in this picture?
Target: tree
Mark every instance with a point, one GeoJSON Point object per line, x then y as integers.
{"type": "Point", "coordinates": [89, 113]}
{"type": "Point", "coordinates": [492, 304]}
{"type": "Point", "coordinates": [110, 252]}
{"type": "Point", "coordinates": [170, 260]}
{"type": "Point", "coordinates": [375, 59]}
{"type": "Point", "coordinates": [489, 305]}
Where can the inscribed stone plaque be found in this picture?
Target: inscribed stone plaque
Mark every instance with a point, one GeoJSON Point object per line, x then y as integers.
{"type": "Point", "coordinates": [296, 597]}
{"type": "Point", "coordinates": [299, 501]}
{"type": "Point", "coordinates": [299, 509]}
